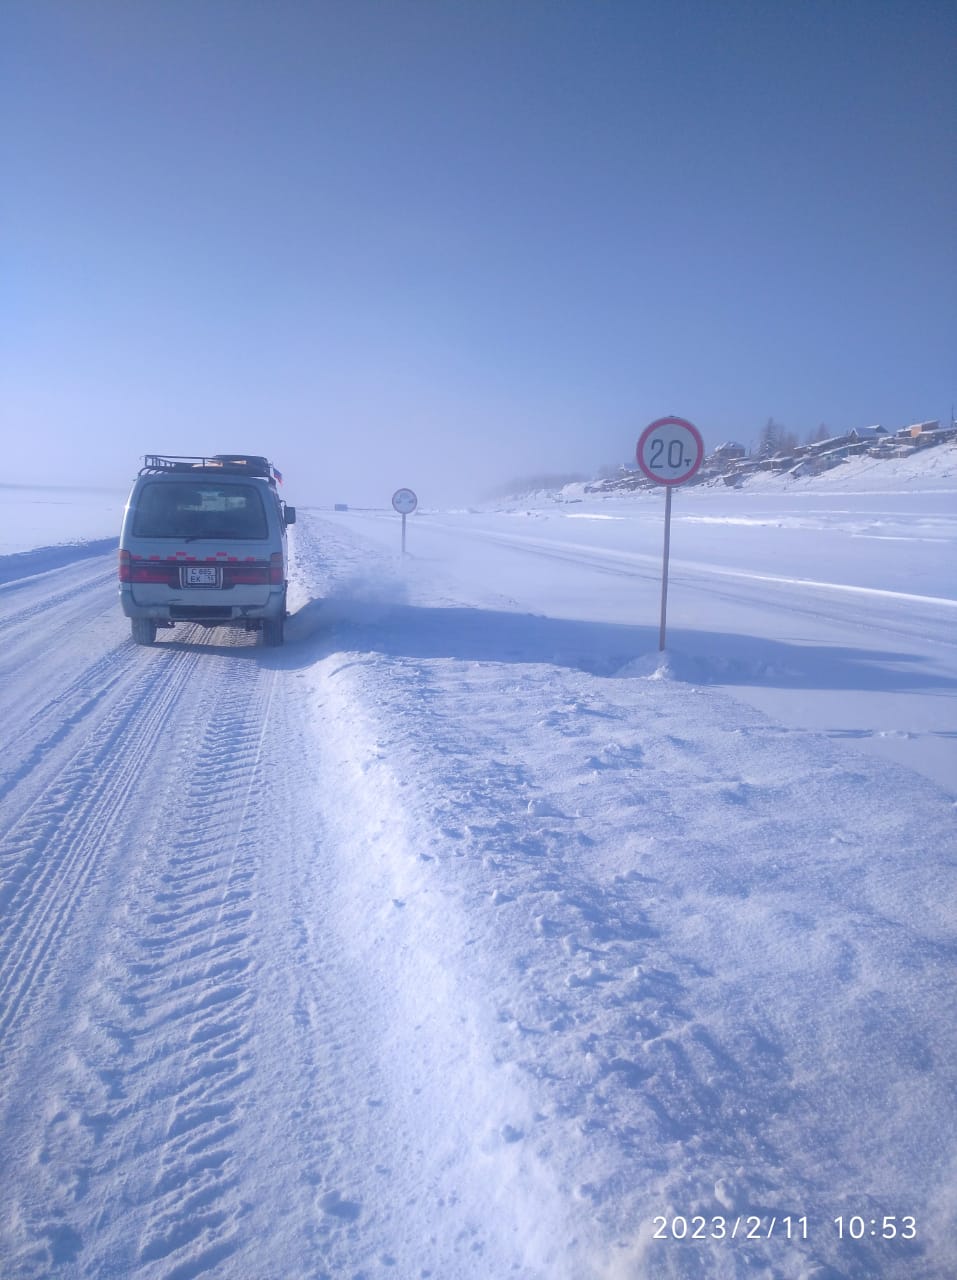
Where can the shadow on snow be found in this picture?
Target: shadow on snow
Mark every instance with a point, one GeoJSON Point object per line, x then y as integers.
{"type": "Point", "coordinates": [349, 624]}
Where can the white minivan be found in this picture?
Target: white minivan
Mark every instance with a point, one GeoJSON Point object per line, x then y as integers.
{"type": "Point", "coordinates": [204, 541]}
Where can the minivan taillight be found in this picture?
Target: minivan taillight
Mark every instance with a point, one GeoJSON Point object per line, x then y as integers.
{"type": "Point", "coordinates": [147, 571]}
{"type": "Point", "coordinates": [275, 568]}
{"type": "Point", "coordinates": [245, 575]}
{"type": "Point", "coordinates": [167, 575]}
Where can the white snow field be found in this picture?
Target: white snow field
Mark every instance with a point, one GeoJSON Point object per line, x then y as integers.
{"type": "Point", "coordinates": [467, 936]}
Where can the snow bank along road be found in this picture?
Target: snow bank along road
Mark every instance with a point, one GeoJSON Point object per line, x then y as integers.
{"type": "Point", "coordinates": [455, 940]}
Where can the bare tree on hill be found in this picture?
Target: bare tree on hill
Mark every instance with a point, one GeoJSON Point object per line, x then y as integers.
{"type": "Point", "coordinates": [774, 439]}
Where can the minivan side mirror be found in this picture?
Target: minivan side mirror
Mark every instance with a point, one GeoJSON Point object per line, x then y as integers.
{"type": "Point", "coordinates": [289, 515]}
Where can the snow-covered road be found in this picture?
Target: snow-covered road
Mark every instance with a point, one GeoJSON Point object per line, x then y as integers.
{"type": "Point", "coordinates": [465, 936]}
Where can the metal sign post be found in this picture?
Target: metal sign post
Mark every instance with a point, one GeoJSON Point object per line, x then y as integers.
{"type": "Point", "coordinates": [664, 572]}
{"type": "Point", "coordinates": [669, 452]}
{"type": "Point", "coordinates": [405, 502]}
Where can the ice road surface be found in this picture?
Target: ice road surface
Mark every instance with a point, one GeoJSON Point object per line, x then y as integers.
{"type": "Point", "coordinates": [468, 936]}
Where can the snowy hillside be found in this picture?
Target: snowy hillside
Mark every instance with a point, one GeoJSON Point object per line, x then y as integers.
{"type": "Point", "coordinates": [933, 469]}
{"type": "Point", "coordinates": [469, 936]}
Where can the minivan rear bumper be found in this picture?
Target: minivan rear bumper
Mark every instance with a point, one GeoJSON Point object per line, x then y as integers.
{"type": "Point", "coordinates": [179, 607]}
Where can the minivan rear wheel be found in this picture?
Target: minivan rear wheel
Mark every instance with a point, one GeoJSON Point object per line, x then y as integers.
{"type": "Point", "coordinates": [273, 632]}
{"type": "Point", "coordinates": [144, 630]}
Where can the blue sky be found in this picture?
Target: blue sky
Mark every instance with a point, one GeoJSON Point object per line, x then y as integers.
{"type": "Point", "coordinates": [444, 243]}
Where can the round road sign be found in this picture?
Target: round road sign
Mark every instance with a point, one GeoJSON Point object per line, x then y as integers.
{"type": "Point", "coordinates": [670, 451]}
{"type": "Point", "coordinates": [404, 501]}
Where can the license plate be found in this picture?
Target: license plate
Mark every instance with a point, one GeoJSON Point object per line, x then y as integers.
{"type": "Point", "coordinates": [198, 575]}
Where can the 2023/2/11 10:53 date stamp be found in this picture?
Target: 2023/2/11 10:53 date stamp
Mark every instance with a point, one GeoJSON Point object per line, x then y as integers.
{"type": "Point", "coordinates": [754, 1226]}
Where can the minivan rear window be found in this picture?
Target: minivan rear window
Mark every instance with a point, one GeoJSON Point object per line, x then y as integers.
{"type": "Point", "coordinates": [166, 509]}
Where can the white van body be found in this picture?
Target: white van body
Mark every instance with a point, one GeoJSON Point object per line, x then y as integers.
{"type": "Point", "coordinates": [204, 541]}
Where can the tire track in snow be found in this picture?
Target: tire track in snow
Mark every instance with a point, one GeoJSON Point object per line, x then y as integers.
{"type": "Point", "coordinates": [153, 1097]}
{"type": "Point", "coordinates": [132, 1090]}
{"type": "Point", "coordinates": [51, 851]}
{"type": "Point", "coordinates": [86, 588]}
{"type": "Point", "coordinates": [60, 627]}
{"type": "Point", "coordinates": [39, 733]}
{"type": "Point", "coordinates": [199, 972]}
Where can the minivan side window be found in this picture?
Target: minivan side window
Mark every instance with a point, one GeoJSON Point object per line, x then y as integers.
{"type": "Point", "coordinates": [169, 510]}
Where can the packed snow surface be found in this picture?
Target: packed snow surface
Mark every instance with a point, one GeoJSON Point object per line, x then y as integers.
{"type": "Point", "coordinates": [469, 935]}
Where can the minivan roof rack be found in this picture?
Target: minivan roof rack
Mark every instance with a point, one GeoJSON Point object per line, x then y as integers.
{"type": "Point", "coordinates": [246, 464]}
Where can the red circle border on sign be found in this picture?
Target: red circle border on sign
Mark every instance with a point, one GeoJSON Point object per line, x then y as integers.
{"type": "Point", "coordinates": [664, 422]}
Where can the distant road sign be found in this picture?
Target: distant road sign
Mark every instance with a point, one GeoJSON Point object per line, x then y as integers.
{"type": "Point", "coordinates": [404, 501]}
{"type": "Point", "coordinates": [670, 451]}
